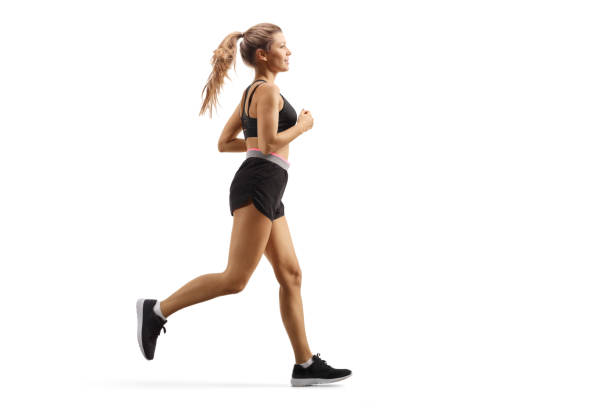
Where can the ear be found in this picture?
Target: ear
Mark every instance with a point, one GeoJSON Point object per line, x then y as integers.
{"type": "Point", "coordinates": [261, 54]}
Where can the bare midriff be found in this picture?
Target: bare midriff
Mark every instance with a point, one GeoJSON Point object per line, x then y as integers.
{"type": "Point", "coordinates": [253, 143]}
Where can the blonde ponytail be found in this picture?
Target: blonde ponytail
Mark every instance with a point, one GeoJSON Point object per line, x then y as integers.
{"type": "Point", "coordinates": [256, 37]}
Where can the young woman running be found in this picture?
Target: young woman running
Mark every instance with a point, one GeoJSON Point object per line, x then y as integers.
{"type": "Point", "coordinates": [269, 124]}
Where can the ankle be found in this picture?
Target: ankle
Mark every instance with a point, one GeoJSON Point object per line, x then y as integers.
{"type": "Point", "coordinates": [164, 310]}
{"type": "Point", "coordinates": [303, 359]}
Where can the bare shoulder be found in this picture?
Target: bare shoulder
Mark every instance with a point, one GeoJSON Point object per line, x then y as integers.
{"type": "Point", "coordinates": [270, 88]}
{"type": "Point", "coordinates": [269, 92]}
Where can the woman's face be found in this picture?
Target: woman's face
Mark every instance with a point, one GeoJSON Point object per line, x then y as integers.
{"type": "Point", "coordinates": [278, 57]}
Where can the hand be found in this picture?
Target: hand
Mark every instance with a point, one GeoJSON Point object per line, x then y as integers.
{"type": "Point", "coordinates": [305, 120]}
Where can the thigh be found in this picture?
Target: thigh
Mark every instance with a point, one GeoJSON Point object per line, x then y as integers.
{"type": "Point", "coordinates": [250, 234]}
{"type": "Point", "coordinates": [281, 254]}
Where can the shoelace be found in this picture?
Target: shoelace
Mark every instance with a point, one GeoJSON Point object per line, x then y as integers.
{"type": "Point", "coordinates": [319, 358]}
{"type": "Point", "coordinates": [162, 326]}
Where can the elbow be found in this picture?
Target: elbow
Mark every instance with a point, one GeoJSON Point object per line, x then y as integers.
{"type": "Point", "coordinates": [220, 147]}
{"type": "Point", "coordinates": [267, 148]}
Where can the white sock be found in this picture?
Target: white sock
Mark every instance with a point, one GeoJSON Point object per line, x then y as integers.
{"type": "Point", "coordinates": [157, 310]}
{"type": "Point", "coordinates": [306, 364]}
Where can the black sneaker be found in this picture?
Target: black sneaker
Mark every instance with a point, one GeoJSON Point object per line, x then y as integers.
{"type": "Point", "coordinates": [149, 326]}
{"type": "Point", "coordinates": [317, 373]}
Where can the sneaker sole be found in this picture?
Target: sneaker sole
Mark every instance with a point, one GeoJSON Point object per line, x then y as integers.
{"type": "Point", "coordinates": [302, 382]}
{"type": "Point", "coordinates": [139, 307]}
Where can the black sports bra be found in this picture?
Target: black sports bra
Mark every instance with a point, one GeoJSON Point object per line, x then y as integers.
{"type": "Point", "coordinates": [287, 116]}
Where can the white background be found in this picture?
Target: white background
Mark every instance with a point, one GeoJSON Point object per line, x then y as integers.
{"type": "Point", "coordinates": [450, 208]}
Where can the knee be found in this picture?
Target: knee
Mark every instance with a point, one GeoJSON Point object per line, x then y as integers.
{"type": "Point", "coordinates": [290, 277]}
{"type": "Point", "coordinates": [234, 284]}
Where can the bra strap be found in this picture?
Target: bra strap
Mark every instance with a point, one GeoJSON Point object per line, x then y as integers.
{"type": "Point", "coordinates": [246, 111]}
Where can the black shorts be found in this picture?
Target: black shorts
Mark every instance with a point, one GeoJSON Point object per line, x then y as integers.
{"type": "Point", "coordinates": [260, 179]}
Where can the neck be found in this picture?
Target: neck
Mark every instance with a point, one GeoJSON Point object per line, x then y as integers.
{"type": "Point", "coordinates": [267, 76]}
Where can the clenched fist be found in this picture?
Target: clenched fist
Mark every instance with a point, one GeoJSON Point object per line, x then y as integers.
{"type": "Point", "coordinates": [305, 120]}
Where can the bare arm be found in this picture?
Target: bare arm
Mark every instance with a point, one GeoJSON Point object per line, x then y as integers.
{"type": "Point", "coordinates": [285, 137]}
{"type": "Point", "coordinates": [234, 145]}
{"type": "Point", "coordinates": [267, 122]}
{"type": "Point", "coordinates": [228, 142]}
